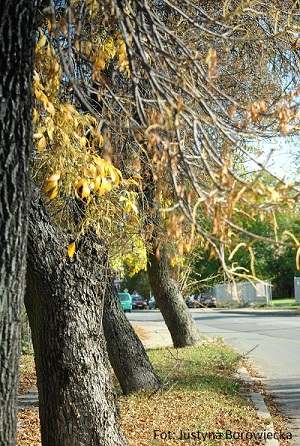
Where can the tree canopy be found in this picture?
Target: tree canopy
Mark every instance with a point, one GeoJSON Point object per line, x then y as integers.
{"type": "Point", "coordinates": [170, 96]}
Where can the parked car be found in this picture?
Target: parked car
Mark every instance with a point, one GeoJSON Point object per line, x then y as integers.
{"type": "Point", "coordinates": [138, 302]}
{"type": "Point", "coordinates": [192, 301]}
{"type": "Point", "coordinates": [189, 302]}
{"type": "Point", "coordinates": [126, 301]}
{"type": "Point", "coordinates": [152, 304]}
{"type": "Point", "coordinates": [208, 300]}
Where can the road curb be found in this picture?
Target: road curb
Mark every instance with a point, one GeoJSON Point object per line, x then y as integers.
{"type": "Point", "coordinates": [256, 312]}
{"type": "Point", "coordinates": [260, 405]}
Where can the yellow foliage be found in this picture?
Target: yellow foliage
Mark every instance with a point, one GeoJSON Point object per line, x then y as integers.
{"type": "Point", "coordinates": [71, 250]}
{"type": "Point", "coordinates": [54, 193]}
{"type": "Point", "coordinates": [50, 185]}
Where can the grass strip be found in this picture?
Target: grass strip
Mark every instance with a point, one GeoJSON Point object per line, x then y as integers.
{"type": "Point", "coordinates": [201, 401]}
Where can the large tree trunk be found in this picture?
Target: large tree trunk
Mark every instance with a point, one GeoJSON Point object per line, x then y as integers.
{"type": "Point", "coordinates": [126, 352]}
{"type": "Point", "coordinates": [177, 316]}
{"type": "Point", "coordinates": [64, 302]}
{"type": "Point", "coordinates": [17, 57]}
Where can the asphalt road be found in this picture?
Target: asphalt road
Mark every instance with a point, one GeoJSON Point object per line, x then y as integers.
{"type": "Point", "coordinates": [271, 340]}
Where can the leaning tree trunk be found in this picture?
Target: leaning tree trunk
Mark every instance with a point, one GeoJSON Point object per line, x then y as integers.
{"type": "Point", "coordinates": [177, 316]}
{"type": "Point", "coordinates": [17, 57]}
{"type": "Point", "coordinates": [126, 352]}
{"type": "Point", "coordinates": [64, 302]}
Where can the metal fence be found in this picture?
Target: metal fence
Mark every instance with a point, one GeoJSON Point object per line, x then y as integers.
{"type": "Point", "coordinates": [297, 288]}
{"type": "Point", "coordinates": [244, 292]}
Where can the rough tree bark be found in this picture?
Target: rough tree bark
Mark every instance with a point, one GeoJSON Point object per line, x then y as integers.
{"type": "Point", "coordinates": [64, 302]}
{"type": "Point", "coordinates": [126, 352]}
{"type": "Point", "coordinates": [17, 44]}
{"type": "Point", "coordinates": [178, 318]}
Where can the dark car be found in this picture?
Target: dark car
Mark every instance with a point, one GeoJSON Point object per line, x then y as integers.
{"type": "Point", "coordinates": [138, 302]}
{"type": "Point", "coordinates": [189, 302]}
{"type": "Point", "coordinates": [192, 301]}
{"type": "Point", "coordinates": [152, 304]}
{"type": "Point", "coordinates": [208, 300]}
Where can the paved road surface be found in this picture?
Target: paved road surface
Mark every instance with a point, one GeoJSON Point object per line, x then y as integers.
{"type": "Point", "coordinates": [272, 340]}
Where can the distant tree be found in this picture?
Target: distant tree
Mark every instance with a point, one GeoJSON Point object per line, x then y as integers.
{"type": "Point", "coordinates": [267, 261]}
{"type": "Point", "coordinates": [139, 282]}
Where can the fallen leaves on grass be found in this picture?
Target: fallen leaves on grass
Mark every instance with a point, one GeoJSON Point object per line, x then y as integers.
{"type": "Point", "coordinates": [200, 397]}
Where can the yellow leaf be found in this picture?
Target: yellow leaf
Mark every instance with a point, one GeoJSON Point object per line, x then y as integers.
{"type": "Point", "coordinates": [55, 176]}
{"type": "Point", "coordinates": [122, 57]}
{"type": "Point", "coordinates": [134, 208]}
{"type": "Point", "coordinates": [97, 182]}
{"type": "Point", "coordinates": [100, 139]}
{"type": "Point", "coordinates": [50, 185]}
{"type": "Point", "coordinates": [128, 207]}
{"type": "Point", "coordinates": [122, 48]}
{"type": "Point", "coordinates": [54, 193]}
{"type": "Point", "coordinates": [38, 135]}
{"type": "Point", "coordinates": [85, 192]}
{"type": "Point", "coordinates": [71, 250]}
{"type": "Point", "coordinates": [83, 141]}
{"type": "Point", "coordinates": [131, 207]}
{"type": "Point", "coordinates": [99, 64]}
{"type": "Point", "coordinates": [35, 116]}
{"type": "Point", "coordinates": [41, 144]}
{"type": "Point", "coordinates": [80, 184]}
{"type": "Point", "coordinates": [108, 185]}
{"type": "Point", "coordinates": [102, 187]}
{"type": "Point", "coordinates": [292, 236]}
{"type": "Point", "coordinates": [50, 108]}
{"type": "Point", "coordinates": [50, 130]}
{"type": "Point", "coordinates": [41, 96]}
{"type": "Point", "coordinates": [66, 138]}
{"type": "Point", "coordinates": [112, 174]}
{"type": "Point", "coordinates": [41, 42]}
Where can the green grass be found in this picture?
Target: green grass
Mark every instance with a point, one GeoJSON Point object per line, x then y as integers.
{"type": "Point", "coordinates": [285, 304]}
{"type": "Point", "coordinates": [279, 304]}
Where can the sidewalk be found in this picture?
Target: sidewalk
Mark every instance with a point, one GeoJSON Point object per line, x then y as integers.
{"type": "Point", "coordinates": [157, 336]}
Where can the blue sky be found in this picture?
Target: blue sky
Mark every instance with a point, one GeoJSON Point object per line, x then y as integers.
{"type": "Point", "coordinates": [282, 160]}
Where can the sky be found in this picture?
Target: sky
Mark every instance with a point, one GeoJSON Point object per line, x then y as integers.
{"type": "Point", "coordinates": [282, 160]}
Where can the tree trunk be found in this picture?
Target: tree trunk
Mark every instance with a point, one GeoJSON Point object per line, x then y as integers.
{"type": "Point", "coordinates": [17, 58]}
{"type": "Point", "coordinates": [177, 316]}
{"type": "Point", "coordinates": [64, 302]}
{"type": "Point", "coordinates": [126, 352]}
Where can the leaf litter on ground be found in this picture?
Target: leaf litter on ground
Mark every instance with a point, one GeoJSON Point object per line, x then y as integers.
{"type": "Point", "coordinates": [199, 401]}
